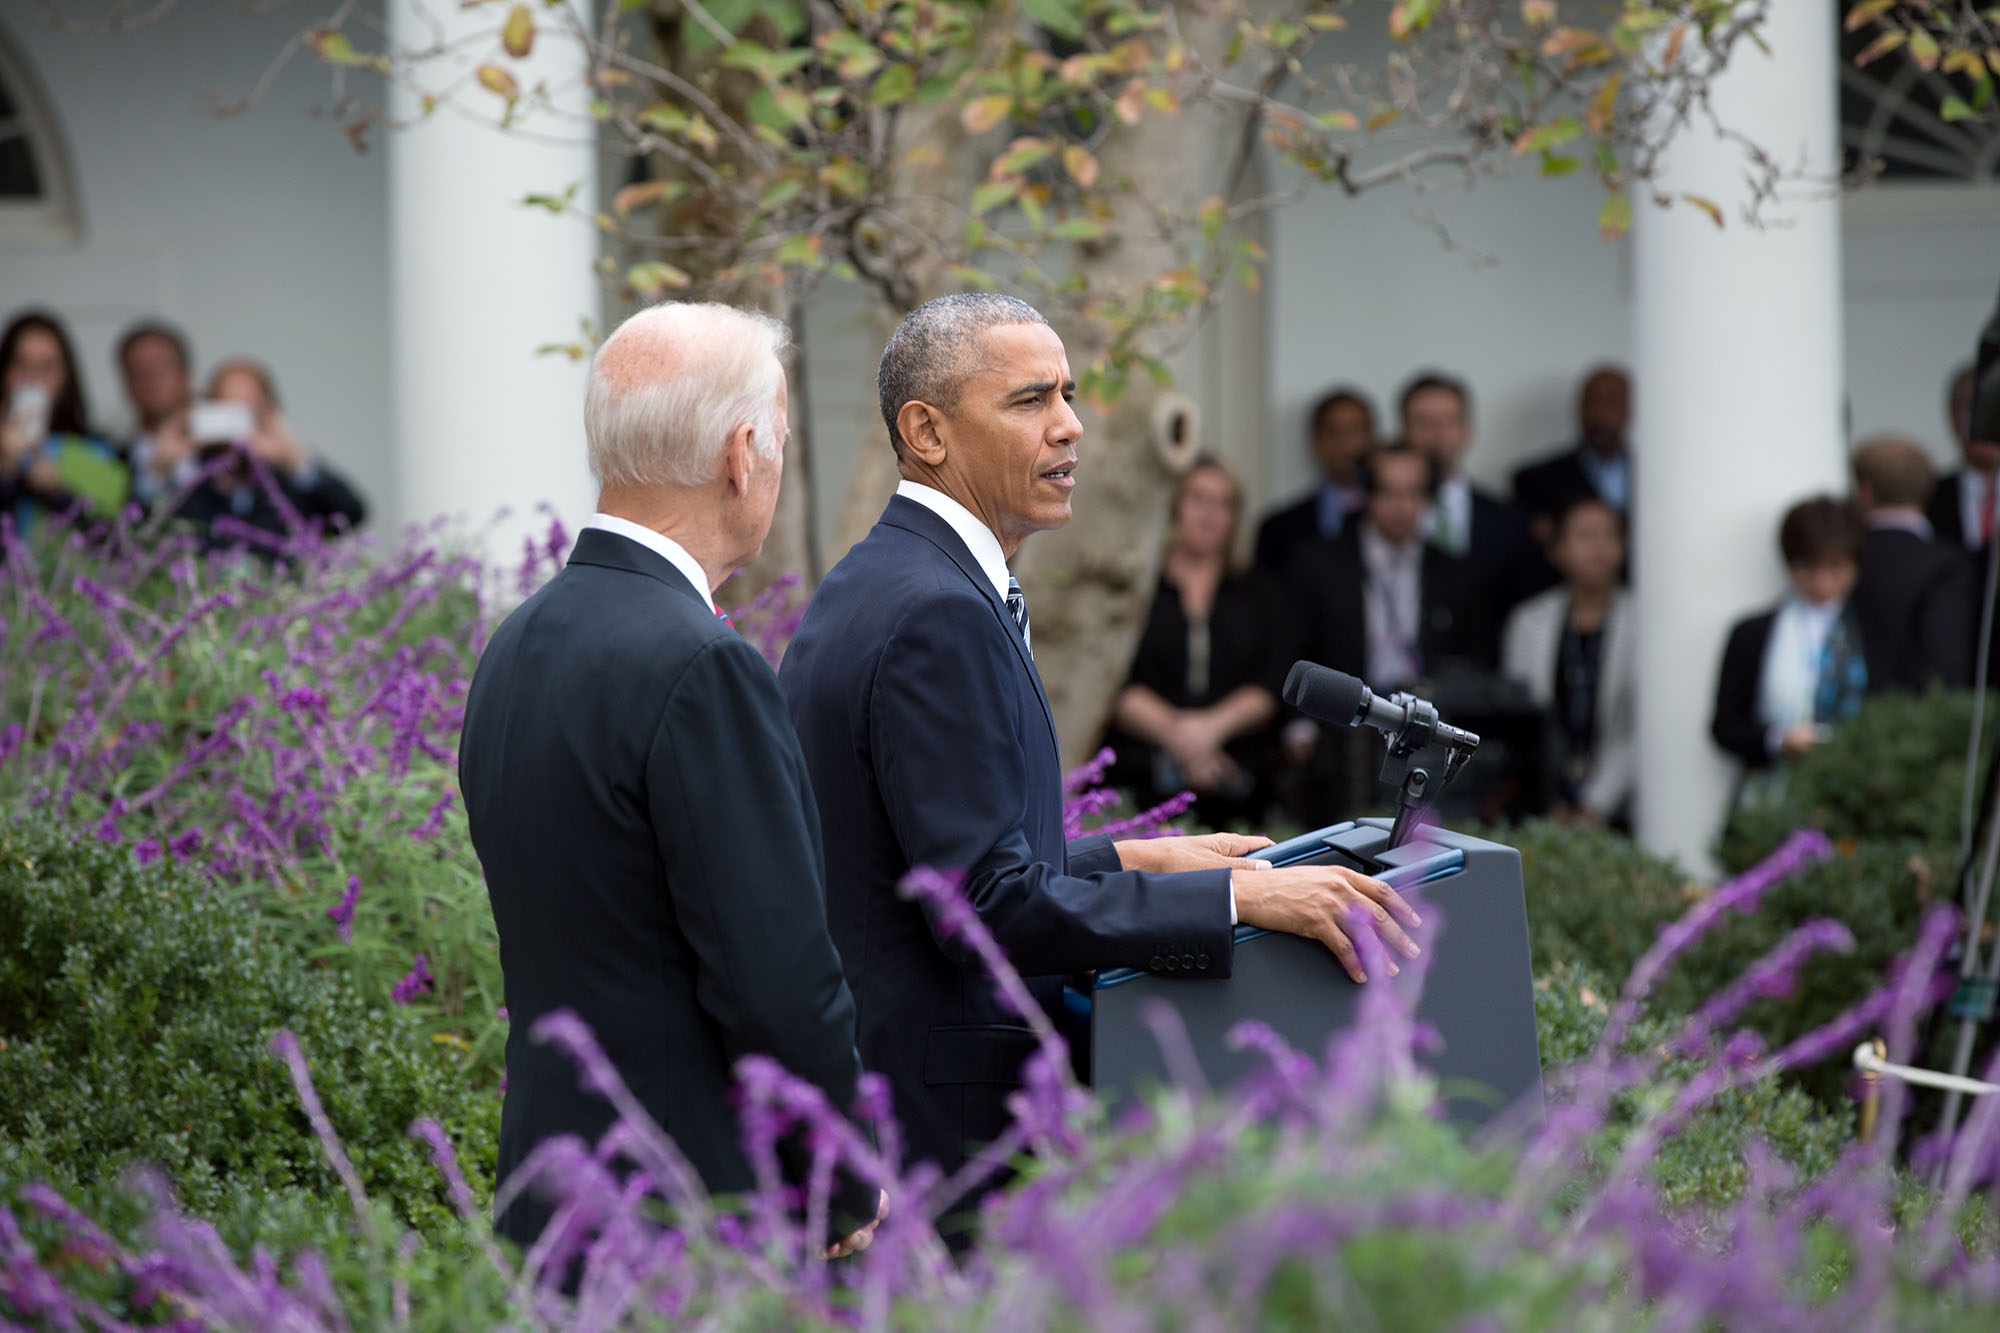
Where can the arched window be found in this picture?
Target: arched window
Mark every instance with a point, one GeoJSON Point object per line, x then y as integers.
{"type": "Point", "coordinates": [37, 190]}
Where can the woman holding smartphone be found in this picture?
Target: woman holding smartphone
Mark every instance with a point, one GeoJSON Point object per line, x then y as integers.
{"type": "Point", "coordinates": [50, 459]}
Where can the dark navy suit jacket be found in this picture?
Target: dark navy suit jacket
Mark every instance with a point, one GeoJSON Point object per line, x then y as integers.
{"type": "Point", "coordinates": [652, 852]}
{"type": "Point", "coordinates": [930, 743]}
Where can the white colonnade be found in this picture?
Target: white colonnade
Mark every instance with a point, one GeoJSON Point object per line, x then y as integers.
{"type": "Point", "coordinates": [1739, 353]}
{"type": "Point", "coordinates": [479, 280]}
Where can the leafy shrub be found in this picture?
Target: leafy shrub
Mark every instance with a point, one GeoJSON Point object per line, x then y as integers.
{"type": "Point", "coordinates": [1705, 1161]}
{"type": "Point", "coordinates": [137, 1007]}
{"type": "Point", "coordinates": [1895, 772]}
{"type": "Point", "coordinates": [1324, 1193]}
{"type": "Point", "coordinates": [1593, 896]}
{"type": "Point", "coordinates": [1878, 891]}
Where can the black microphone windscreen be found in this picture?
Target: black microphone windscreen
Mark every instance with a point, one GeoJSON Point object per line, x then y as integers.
{"type": "Point", "coordinates": [1323, 693]}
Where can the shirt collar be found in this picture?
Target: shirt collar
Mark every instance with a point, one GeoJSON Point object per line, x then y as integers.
{"type": "Point", "coordinates": [1383, 556]}
{"type": "Point", "coordinates": [1901, 521]}
{"type": "Point", "coordinates": [663, 546]}
{"type": "Point", "coordinates": [978, 538]}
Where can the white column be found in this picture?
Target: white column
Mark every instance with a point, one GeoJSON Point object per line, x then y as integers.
{"type": "Point", "coordinates": [479, 281]}
{"type": "Point", "coordinates": [1738, 401]}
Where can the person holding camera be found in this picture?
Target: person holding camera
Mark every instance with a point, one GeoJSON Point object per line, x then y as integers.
{"type": "Point", "coordinates": [247, 468]}
{"type": "Point", "coordinates": [51, 462]}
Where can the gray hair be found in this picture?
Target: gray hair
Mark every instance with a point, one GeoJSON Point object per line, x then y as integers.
{"type": "Point", "coordinates": [672, 383]}
{"type": "Point", "coordinates": [932, 354]}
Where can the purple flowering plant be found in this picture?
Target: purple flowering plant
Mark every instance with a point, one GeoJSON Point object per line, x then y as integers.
{"type": "Point", "coordinates": [1324, 1191]}
{"type": "Point", "coordinates": [288, 722]}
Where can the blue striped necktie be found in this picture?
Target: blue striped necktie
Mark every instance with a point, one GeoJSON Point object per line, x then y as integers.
{"type": "Point", "coordinates": [1017, 606]}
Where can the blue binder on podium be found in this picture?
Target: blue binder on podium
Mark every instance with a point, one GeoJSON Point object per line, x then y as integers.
{"type": "Point", "coordinates": [1478, 991]}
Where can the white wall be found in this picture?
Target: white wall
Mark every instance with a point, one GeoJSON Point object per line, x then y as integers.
{"type": "Point", "coordinates": [261, 235]}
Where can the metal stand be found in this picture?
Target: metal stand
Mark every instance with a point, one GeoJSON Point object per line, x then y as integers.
{"type": "Point", "coordinates": [1414, 756]}
{"type": "Point", "coordinates": [1973, 1002]}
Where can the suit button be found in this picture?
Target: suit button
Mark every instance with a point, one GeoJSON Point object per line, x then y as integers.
{"type": "Point", "coordinates": [1187, 961]}
{"type": "Point", "coordinates": [1156, 965]}
{"type": "Point", "coordinates": [1202, 962]}
{"type": "Point", "coordinates": [1173, 963]}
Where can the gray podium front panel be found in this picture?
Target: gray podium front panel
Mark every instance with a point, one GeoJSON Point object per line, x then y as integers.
{"type": "Point", "coordinates": [1478, 993]}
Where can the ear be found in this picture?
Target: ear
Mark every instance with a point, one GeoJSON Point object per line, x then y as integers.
{"type": "Point", "coordinates": [921, 427]}
{"type": "Point", "coordinates": [739, 458]}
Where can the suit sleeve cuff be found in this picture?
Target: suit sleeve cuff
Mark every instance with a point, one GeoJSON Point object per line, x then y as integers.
{"type": "Point", "coordinates": [1095, 855]}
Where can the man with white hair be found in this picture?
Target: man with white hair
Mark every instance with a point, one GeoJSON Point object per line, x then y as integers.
{"type": "Point", "coordinates": [633, 786]}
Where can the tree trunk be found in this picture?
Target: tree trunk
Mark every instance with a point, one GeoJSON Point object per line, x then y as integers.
{"type": "Point", "coordinates": [1090, 584]}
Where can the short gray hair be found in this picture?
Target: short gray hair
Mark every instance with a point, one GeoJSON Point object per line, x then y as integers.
{"type": "Point", "coordinates": [671, 384]}
{"type": "Point", "coordinates": [930, 356]}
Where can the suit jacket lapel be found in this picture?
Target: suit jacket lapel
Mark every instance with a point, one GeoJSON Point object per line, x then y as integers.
{"type": "Point", "coordinates": [912, 517]}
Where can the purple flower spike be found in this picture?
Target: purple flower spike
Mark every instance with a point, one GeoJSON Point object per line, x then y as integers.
{"type": "Point", "coordinates": [415, 982]}
{"type": "Point", "coordinates": [342, 913]}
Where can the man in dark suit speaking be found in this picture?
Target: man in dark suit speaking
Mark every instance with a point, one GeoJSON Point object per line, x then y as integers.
{"type": "Point", "coordinates": [930, 741]}
{"type": "Point", "coordinates": [633, 786]}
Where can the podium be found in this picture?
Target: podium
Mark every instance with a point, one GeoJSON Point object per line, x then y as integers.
{"type": "Point", "coordinates": [1478, 992]}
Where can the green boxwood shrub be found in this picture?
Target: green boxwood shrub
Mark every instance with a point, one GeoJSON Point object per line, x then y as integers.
{"type": "Point", "coordinates": [136, 1010]}
{"type": "Point", "coordinates": [1895, 772]}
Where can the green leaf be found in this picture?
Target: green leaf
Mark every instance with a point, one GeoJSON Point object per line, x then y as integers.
{"type": "Point", "coordinates": [1923, 50]}
{"type": "Point", "coordinates": [1557, 132]}
{"type": "Point", "coordinates": [993, 194]}
{"type": "Point", "coordinates": [1955, 107]}
{"type": "Point", "coordinates": [1615, 218]}
{"type": "Point", "coordinates": [779, 108]}
{"type": "Point", "coordinates": [517, 34]}
{"type": "Point", "coordinates": [1555, 164]}
{"type": "Point", "coordinates": [1077, 229]}
{"type": "Point", "coordinates": [976, 278]}
{"type": "Point", "coordinates": [1029, 153]}
{"type": "Point", "coordinates": [894, 84]}
{"type": "Point", "coordinates": [800, 251]}
{"type": "Point", "coordinates": [1607, 159]}
{"type": "Point", "coordinates": [780, 194]}
{"type": "Point", "coordinates": [655, 276]}
{"type": "Point", "coordinates": [1064, 18]}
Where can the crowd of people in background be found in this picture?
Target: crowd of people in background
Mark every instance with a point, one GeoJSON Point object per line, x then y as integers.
{"type": "Point", "coordinates": [225, 462]}
{"type": "Point", "coordinates": [1396, 568]}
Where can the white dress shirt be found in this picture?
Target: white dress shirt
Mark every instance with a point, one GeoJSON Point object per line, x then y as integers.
{"type": "Point", "coordinates": [1454, 498]}
{"type": "Point", "coordinates": [978, 538]}
{"type": "Point", "coordinates": [666, 547]}
{"type": "Point", "coordinates": [1392, 605]}
{"type": "Point", "coordinates": [1975, 493]}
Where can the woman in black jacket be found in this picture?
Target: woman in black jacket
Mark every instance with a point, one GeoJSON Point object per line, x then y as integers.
{"type": "Point", "coordinates": [1199, 709]}
{"type": "Point", "coordinates": [1790, 674]}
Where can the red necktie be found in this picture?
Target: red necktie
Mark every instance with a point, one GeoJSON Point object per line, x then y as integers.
{"type": "Point", "coordinates": [723, 616]}
{"type": "Point", "coordinates": [1986, 514]}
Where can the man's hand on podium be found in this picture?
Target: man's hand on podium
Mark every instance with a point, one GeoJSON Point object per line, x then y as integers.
{"type": "Point", "coordinates": [1214, 851]}
{"type": "Point", "coordinates": [1321, 903]}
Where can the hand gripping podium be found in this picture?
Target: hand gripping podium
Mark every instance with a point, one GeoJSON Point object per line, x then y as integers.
{"type": "Point", "coordinates": [1478, 991]}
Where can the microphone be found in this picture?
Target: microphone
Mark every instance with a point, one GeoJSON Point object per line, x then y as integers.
{"type": "Point", "coordinates": [1333, 696]}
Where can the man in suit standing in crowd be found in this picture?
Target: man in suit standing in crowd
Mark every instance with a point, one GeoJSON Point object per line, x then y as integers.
{"type": "Point", "coordinates": [1382, 603]}
{"type": "Point", "coordinates": [930, 741]}
{"type": "Point", "coordinates": [1343, 429]}
{"type": "Point", "coordinates": [1912, 597]}
{"type": "Point", "coordinates": [1486, 532]}
{"type": "Point", "coordinates": [1599, 466]}
{"type": "Point", "coordinates": [633, 786]}
{"type": "Point", "coordinates": [1964, 507]}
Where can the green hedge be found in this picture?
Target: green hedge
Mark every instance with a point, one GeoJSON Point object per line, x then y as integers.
{"type": "Point", "coordinates": [136, 1011]}
{"type": "Point", "coordinates": [1894, 773]}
